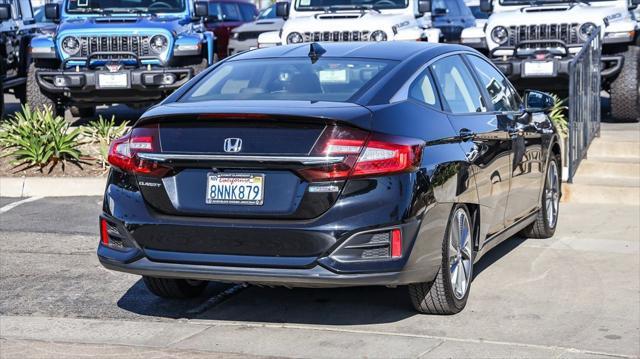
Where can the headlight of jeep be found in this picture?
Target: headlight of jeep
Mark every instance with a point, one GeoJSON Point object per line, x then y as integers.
{"type": "Point", "coordinates": [378, 35]}
{"type": "Point", "coordinates": [499, 35]}
{"type": "Point", "coordinates": [294, 38]}
{"type": "Point", "coordinates": [70, 45]}
{"type": "Point", "coordinates": [158, 44]}
{"type": "Point", "coordinates": [586, 30]}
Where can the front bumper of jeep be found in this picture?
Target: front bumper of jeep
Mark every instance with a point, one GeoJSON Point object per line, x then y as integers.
{"type": "Point", "coordinates": [521, 64]}
{"type": "Point", "coordinates": [98, 86]}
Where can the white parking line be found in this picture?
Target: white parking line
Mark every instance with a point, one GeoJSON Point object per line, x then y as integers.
{"type": "Point", "coordinates": [13, 205]}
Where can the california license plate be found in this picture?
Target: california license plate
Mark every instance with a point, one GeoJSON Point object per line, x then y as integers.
{"type": "Point", "coordinates": [538, 68]}
{"type": "Point", "coordinates": [235, 188]}
{"type": "Point", "coordinates": [116, 80]}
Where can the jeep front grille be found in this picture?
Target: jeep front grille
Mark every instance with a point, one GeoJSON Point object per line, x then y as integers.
{"type": "Point", "coordinates": [139, 45]}
{"type": "Point", "coordinates": [336, 36]}
{"type": "Point", "coordinates": [568, 33]}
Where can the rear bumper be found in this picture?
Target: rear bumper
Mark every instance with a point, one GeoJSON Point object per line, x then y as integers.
{"type": "Point", "coordinates": [83, 86]}
{"type": "Point", "coordinates": [316, 276]}
{"type": "Point", "coordinates": [303, 253]}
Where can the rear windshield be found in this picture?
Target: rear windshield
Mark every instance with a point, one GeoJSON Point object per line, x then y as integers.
{"type": "Point", "coordinates": [288, 79]}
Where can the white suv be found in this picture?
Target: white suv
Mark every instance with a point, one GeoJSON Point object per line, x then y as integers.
{"type": "Point", "coordinates": [534, 40]}
{"type": "Point", "coordinates": [352, 20]}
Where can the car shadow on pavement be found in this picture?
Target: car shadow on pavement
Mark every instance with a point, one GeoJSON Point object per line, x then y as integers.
{"type": "Point", "coordinates": [333, 306]}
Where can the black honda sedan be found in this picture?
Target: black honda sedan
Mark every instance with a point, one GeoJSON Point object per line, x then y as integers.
{"type": "Point", "coordinates": [332, 164]}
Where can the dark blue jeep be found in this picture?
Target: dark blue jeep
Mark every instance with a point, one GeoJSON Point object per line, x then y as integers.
{"type": "Point", "coordinates": [133, 52]}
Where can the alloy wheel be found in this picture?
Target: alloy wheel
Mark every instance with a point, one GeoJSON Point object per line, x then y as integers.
{"type": "Point", "coordinates": [460, 253]}
{"type": "Point", "coordinates": [552, 194]}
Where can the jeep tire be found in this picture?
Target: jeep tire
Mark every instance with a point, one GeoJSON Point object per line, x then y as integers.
{"type": "Point", "coordinates": [35, 98]}
{"type": "Point", "coordinates": [625, 94]}
{"type": "Point", "coordinates": [172, 288]}
{"type": "Point", "coordinates": [82, 111]}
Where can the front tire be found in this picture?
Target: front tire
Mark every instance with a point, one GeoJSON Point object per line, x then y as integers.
{"type": "Point", "coordinates": [547, 218]}
{"type": "Point", "coordinates": [625, 93]}
{"type": "Point", "coordinates": [448, 293]}
{"type": "Point", "coordinates": [174, 288]}
{"type": "Point", "coordinates": [34, 97]}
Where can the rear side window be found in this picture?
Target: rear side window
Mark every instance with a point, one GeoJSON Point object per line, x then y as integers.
{"type": "Point", "coordinates": [288, 79]}
{"type": "Point", "coordinates": [422, 90]}
{"type": "Point", "coordinates": [503, 96]}
{"type": "Point", "coordinates": [457, 86]}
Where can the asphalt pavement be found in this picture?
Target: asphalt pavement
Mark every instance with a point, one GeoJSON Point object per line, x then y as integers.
{"type": "Point", "coordinates": [575, 295]}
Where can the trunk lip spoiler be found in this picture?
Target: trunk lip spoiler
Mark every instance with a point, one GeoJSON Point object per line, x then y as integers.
{"type": "Point", "coordinates": [304, 160]}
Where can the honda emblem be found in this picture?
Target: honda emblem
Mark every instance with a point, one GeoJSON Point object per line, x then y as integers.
{"type": "Point", "coordinates": [232, 145]}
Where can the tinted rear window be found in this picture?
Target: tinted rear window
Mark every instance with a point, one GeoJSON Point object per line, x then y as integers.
{"type": "Point", "coordinates": [288, 79]}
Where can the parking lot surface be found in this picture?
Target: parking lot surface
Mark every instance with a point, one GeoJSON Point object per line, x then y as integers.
{"type": "Point", "coordinates": [575, 295]}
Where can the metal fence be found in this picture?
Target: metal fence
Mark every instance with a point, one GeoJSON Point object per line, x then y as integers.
{"type": "Point", "coordinates": [584, 101]}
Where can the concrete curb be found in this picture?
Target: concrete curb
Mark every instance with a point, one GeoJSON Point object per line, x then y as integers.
{"type": "Point", "coordinates": [51, 186]}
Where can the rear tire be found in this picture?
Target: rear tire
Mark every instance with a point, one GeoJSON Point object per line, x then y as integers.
{"type": "Point", "coordinates": [443, 295]}
{"type": "Point", "coordinates": [174, 288]}
{"type": "Point", "coordinates": [82, 112]}
{"type": "Point", "coordinates": [546, 222]}
{"type": "Point", "coordinates": [625, 93]}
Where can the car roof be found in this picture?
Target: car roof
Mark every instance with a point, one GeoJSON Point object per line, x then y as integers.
{"type": "Point", "coordinates": [386, 50]}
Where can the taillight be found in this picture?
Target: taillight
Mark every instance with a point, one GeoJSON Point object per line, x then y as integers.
{"type": "Point", "coordinates": [364, 155]}
{"type": "Point", "coordinates": [123, 152]}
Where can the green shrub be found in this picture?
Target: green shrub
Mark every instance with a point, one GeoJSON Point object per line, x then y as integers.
{"type": "Point", "coordinates": [558, 115]}
{"type": "Point", "coordinates": [102, 132]}
{"type": "Point", "coordinates": [39, 139]}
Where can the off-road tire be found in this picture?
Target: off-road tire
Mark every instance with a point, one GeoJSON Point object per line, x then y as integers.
{"type": "Point", "coordinates": [1, 104]}
{"type": "Point", "coordinates": [541, 228]}
{"type": "Point", "coordinates": [199, 67]}
{"type": "Point", "coordinates": [174, 288]}
{"type": "Point", "coordinates": [35, 98]}
{"type": "Point", "coordinates": [82, 112]}
{"type": "Point", "coordinates": [437, 297]}
{"type": "Point", "coordinates": [625, 93]}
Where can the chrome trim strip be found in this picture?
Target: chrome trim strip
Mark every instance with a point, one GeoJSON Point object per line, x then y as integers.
{"type": "Point", "coordinates": [305, 160]}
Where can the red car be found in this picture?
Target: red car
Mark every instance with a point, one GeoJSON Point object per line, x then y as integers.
{"type": "Point", "coordinates": [224, 16]}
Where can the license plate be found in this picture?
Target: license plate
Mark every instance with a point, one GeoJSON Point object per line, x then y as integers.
{"type": "Point", "coordinates": [539, 68]}
{"type": "Point", "coordinates": [235, 188]}
{"type": "Point", "coordinates": [117, 80]}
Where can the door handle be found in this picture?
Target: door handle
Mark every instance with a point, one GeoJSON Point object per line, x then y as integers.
{"type": "Point", "coordinates": [466, 134]}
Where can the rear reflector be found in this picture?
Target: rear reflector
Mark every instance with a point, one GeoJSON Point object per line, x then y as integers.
{"type": "Point", "coordinates": [396, 243]}
{"type": "Point", "coordinates": [104, 232]}
{"type": "Point", "coordinates": [364, 154]}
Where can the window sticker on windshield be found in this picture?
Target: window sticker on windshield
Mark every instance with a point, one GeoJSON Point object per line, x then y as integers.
{"type": "Point", "coordinates": [83, 3]}
{"type": "Point", "coordinates": [333, 76]}
{"type": "Point", "coordinates": [305, 2]}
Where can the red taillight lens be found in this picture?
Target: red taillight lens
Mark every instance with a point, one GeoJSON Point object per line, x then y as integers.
{"type": "Point", "coordinates": [123, 151]}
{"type": "Point", "coordinates": [396, 243]}
{"type": "Point", "coordinates": [104, 232]}
{"type": "Point", "coordinates": [363, 155]}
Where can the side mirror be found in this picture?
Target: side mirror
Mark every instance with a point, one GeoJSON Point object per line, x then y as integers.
{"type": "Point", "coordinates": [52, 12]}
{"type": "Point", "coordinates": [5, 12]}
{"type": "Point", "coordinates": [536, 101]}
{"type": "Point", "coordinates": [486, 6]}
{"type": "Point", "coordinates": [424, 6]}
{"type": "Point", "coordinates": [282, 9]}
{"type": "Point", "coordinates": [439, 11]}
{"type": "Point", "coordinates": [200, 9]}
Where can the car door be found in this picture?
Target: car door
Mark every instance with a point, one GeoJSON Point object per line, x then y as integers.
{"type": "Point", "coordinates": [527, 162]}
{"type": "Point", "coordinates": [10, 41]}
{"type": "Point", "coordinates": [483, 137]}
